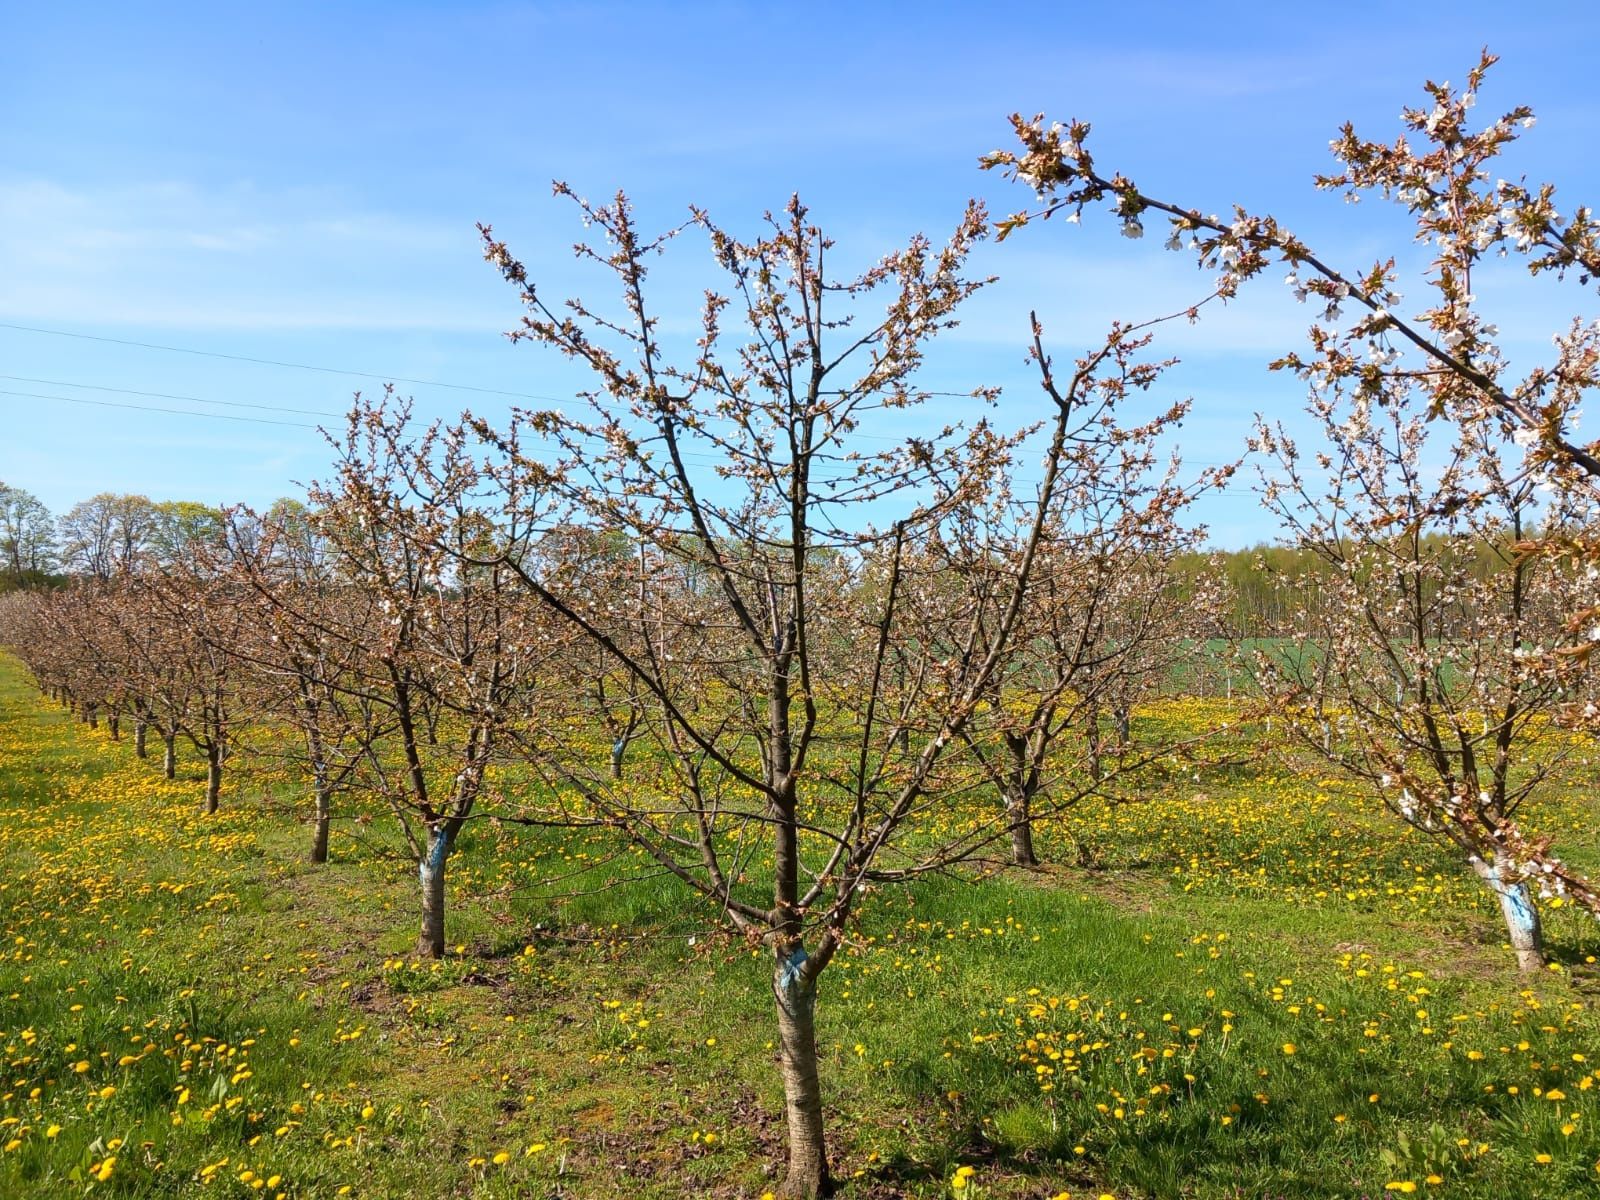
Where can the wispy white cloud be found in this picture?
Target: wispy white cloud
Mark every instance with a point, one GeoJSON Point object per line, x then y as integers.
{"type": "Point", "coordinates": [240, 257]}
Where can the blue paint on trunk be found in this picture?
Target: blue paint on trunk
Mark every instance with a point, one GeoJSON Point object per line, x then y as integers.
{"type": "Point", "coordinates": [789, 973]}
{"type": "Point", "coordinates": [1519, 910]}
{"type": "Point", "coordinates": [438, 850]}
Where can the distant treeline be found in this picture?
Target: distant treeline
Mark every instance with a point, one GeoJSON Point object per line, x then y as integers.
{"type": "Point", "coordinates": [1265, 587]}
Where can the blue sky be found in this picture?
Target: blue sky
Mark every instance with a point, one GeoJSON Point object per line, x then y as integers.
{"type": "Point", "coordinates": [300, 183]}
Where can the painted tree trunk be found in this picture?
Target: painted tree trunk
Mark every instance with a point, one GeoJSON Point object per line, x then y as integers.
{"type": "Point", "coordinates": [807, 1177]}
{"type": "Point", "coordinates": [140, 728]}
{"type": "Point", "coordinates": [430, 942]}
{"type": "Point", "coordinates": [1521, 917]}
{"type": "Point", "coordinates": [213, 777]}
{"type": "Point", "coordinates": [618, 749]}
{"type": "Point", "coordinates": [169, 761]}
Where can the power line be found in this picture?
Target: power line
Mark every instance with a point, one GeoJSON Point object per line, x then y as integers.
{"type": "Point", "coordinates": [306, 367]}
{"type": "Point", "coordinates": [178, 412]}
{"type": "Point", "coordinates": [96, 387]}
{"type": "Point", "coordinates": [273, 362]}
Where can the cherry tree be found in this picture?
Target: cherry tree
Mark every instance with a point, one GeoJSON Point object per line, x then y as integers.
{"type": "Point", "coordinates": [1441, 171]}
{"type": "Point", "coordinates": [439, 627]}
{"type": "Point", "coordinates": [198, 619]}
{"type": "Point", "coordinates": [302, 666]}
{"type": "Point", "coordinates": [1469, 685]}
{"type": "Point", "coordinates": [1097, 629]}
{"type": "Point", "coordinates": [804, 731]}
{"type": "Point", "coordinates": [1420, 665]}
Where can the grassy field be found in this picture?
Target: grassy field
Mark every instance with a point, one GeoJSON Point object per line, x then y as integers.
{"type": "Point", "coordinates": [1258, 988]}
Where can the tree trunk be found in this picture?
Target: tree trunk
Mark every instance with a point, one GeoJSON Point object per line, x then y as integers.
{"type": "Point", "coordinates": [213, 776]}
{"type": "Point", "coordinates": [430, 943]}
{"type": "Point", "coordinates": [1018, 787]}
{"type": "Point", "coordinates": [807, 1177]}
{"type": "Point", "coordinates": [140, 727]}
{"type": "Point", "coordinates": [1020, 811]}
{"type": "Point", "coordinates": [1521, 917]}
{"type": "Point", "coordinates": [169, 763]}
{"type": "Point", "coordinates": [114, 726]}
{"type": "Point", "coordinates": [319, 835]}
{"type": "Point", "coordinates": [322, 789]}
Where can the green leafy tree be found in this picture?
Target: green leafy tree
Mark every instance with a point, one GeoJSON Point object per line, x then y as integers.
{"type": "Point", "coordinates": [27, 539]}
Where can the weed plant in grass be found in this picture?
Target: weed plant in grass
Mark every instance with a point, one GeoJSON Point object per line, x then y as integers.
{"type": "Point", "coordinates": [188, 1008]}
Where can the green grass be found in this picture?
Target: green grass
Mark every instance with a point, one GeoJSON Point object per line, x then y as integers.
{"type": "Point", "coordinates": [1123, 1030]}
